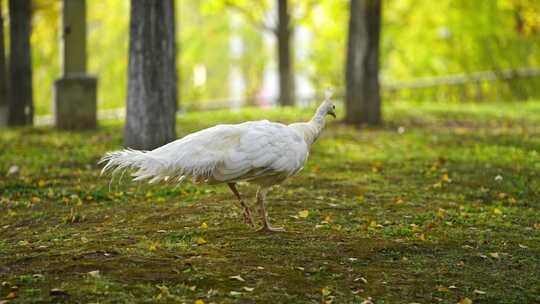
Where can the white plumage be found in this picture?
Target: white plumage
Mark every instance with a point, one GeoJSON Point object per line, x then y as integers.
{"type": "Point", "coordinates": [260, 152]}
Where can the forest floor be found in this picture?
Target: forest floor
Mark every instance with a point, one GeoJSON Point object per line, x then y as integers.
{"type": "Point", "coordinates": [441, 205]}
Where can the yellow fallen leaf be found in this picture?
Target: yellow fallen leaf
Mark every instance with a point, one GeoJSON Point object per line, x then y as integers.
{"type": "Point", "coordinates": [494, 255]}
{"type": "Point", "coordinates": [465, 301]}
{"type": "Point", "coordinates": [446, 179]}
{"type": "Point", "coordinates": [480, 292]}
{"type": "Point", "coordinates": [497, 211]}
{"type": "Point", "coordinates": [35, 200]}
{"type": "Point", "coordinates": [442, 289]}
{"type": "Point", "coordinates": [248, 289]}
{"type": "Point", "coordinates": [325, 291]}
{"type": "Point", "coordinates": [204, 226]}
{"type": "Point", "coordinates": [154, 246]}
{"type": "Point", "coordinates": [201, 241]}
{"type": "Point", "coordinates": [303, 213]}
{"type": "Point", "coordinates": [199, 301]}
{"type": "Point", "coordinates": [41, 183]}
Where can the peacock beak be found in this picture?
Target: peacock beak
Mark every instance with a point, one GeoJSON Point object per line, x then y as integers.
{"type": "Point", "coordinates": [331, 112]}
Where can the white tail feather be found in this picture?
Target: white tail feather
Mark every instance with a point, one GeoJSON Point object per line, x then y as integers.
{"type": "Point", "coordinates": [148, 165]}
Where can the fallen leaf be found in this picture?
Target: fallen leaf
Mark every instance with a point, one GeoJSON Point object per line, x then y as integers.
{"type": "Point", "coordinates": [13, 170]}
{"type": "Point", "coordinates": [497, 211]}
{"type": "Point", "coordinates": [237, 277]}
{"type": "Point", "coordinates": [154, 246]}
{"type": "Point", "coordinates": [494, 255]}
{"type": "Point", "coordinates": [465, 301]}
{"type": "Point", "coordinates": [199, 301]}
{"type": "Point", "coordinates": [58, 292]}
{"type": "Point", "coordinates": [248, 289]}
{"type": "Point", "coordinates": [303, 213]}
{"type": "Point", "coordinates": [201, 241]}
{"type": "Point", "coordinates": [446, 178]}
{"type": "Point", "coordinates": [325, 291]}
{"type": "Point", "coordinates": [480, 292]}
{"type": "Point", "coordinates": [204, 226]}
{"type": "Point", "coordinates": [11, 295]}
{"type": "Point", "coordinates": [35, 200]}
{"type": "Point", "coordinates": [235, 293]}
{"type": "Point", "coordinates": [94, 274]}
{"type": "Point", "coordinates": [522, 246]}
{"type": "Point", "coordinates": [442, 289]}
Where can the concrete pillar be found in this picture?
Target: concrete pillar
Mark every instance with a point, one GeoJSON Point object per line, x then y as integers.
{"type": "Point", "coordinates": [75, 94]}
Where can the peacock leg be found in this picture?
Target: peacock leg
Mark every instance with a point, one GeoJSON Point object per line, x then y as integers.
{"type": "Point", "coordinates": [261, 196]}
{"type": "Point", "coordinates": [248, 219]}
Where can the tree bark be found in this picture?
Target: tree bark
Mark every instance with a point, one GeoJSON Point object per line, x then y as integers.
{"type": "Point", "coordinates": [363, 100]}
{"type": "Point", "coordinates": [3, 75]}
{"type": "Point", "coordinates": [152, 78]}
{"type": "Point", "coordinates": [286, 77]}
{"type": "Point", "coordinates": [21, 108]}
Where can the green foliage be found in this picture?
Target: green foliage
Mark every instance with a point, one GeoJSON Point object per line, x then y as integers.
{"type": "Point", "coordinates": [420, 38]}
{"type": "Point", "coordinates": [440, 205]}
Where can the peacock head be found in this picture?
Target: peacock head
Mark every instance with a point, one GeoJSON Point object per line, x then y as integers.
{"type": "Point", "coordinates": [327, 107]}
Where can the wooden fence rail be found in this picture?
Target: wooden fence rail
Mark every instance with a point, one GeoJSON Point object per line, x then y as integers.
{"type": "Point", "coordinates": [460, 87]}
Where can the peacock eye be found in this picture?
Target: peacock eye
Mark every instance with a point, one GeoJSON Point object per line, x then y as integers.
{"type": "Point", "coordinates": [333, 107]}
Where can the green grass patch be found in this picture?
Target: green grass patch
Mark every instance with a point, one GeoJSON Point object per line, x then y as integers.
{"type": "Point", "coordinates": [439, 205]}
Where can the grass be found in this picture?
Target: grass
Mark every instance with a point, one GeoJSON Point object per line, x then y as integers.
{"type": "Point", "coordinates": [439, 206]}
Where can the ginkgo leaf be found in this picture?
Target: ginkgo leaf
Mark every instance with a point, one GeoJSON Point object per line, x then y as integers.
{"type": "Point", "coordinates": [204, 226]}
{"type": "Point", "coordinates": [199, 301]}
{"type": "Point", "coordinates": [201, 241]}
{"type": "Point", "coordinates": [303, 213]}
{"type": "Point", "coordinates": [497, 211]}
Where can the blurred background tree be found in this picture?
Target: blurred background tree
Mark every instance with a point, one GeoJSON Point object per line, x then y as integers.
{"type": "Point", "coordinates": [419, 39]}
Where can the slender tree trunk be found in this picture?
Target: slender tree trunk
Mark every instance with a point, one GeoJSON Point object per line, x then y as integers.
{"type": "Point", "coordinates": [286, 77]}
{"type": "Point", "coordinates": [3, 75]}
{"type": "Point", "coordinates": [152, 79]}
{"type": "Point", "coordinates": [363, 98]}
{"type": "Point", "coordinates": [21, 108]}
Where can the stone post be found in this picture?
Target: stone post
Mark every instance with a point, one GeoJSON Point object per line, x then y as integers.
{"type": "Point", "coordinates": [75, 94]}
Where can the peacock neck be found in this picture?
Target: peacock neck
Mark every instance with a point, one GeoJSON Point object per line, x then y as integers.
{"type": "Point", "coordinates": [315, 127]}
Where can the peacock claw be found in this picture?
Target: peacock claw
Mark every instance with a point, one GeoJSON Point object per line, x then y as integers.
{"type": "Point", "coordinates": [268, 229]}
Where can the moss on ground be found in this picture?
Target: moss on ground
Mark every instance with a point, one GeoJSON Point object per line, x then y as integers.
{"type": "Point", "coordinates": [440, 205]}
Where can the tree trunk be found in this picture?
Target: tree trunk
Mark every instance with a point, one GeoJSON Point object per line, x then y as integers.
{"type": "Point", "coordinates": [21, 108]}
{"type": "Point", "coordinates": [3, 75]}
{"type": "Point", "coordinates": [363, 100]}
{"type": "Point", "coordinates": [152, 79]}
{"type": "Point", "coordinates": [286, 77]}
